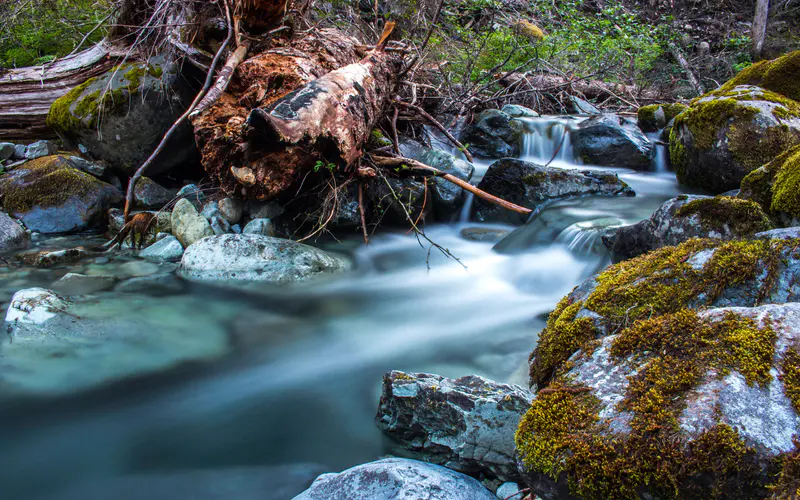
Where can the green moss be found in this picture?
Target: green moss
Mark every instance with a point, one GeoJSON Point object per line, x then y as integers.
{"type": "Point", "coordinates": [378, 140]}
{"type": "Point", "coordinates": [562, 337]}
{"type": "Point", "coordinates": [705, 119]}
{"type": "Point", "coordinates": [786, 187]}
{"type": "Point", "coordinates": [677, 153]}
{"type": "Point", "coordinates": [743, 217]}
{"type": "Point", "coordinates": [48, 181]}
{"type": "Point", "coordinates": [562, 435]}
{"type": "Point", "coordinates": [791, 376]}
{"type": "Point", "coordinates": [674, 109]}
{"type": "Point", "coordinates": [60, 117]}
{"type": "Point", "coordinates": [647, 114]}
{"type": "Point", "coordinates": [778, 75]}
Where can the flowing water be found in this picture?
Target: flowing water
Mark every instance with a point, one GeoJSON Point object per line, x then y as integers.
{"type": "Point", "coordinates": [301, 381]}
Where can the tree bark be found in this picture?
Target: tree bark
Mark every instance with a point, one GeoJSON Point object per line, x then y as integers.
{"type": "Point", "coordinates": [27, 93]}
{"type": "Point", "coordinates": [759, 28]}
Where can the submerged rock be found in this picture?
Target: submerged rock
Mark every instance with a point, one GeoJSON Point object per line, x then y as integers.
{"type": "Point", "coordinates": [613, 141]}
{"type": "Point", "coordinates": [52, 258]}
{"type": "Point", "coordinates": [685, 217]}
{"type": "Point", "coordinates": [398, 479]}
{"type": "Point", "coordinates": [167, 249]}
{"type": "Point", "coordinates": [528, 184]}
{"type": "Point", "coordinates": [80, 284]}
{"type": "Point", "coordinates": [725, 135]}
{"type": "Point", "coordinates": [55, 346]}
{"type": "Point", "coordinates": [240, 258]}
{"type": "Point", "coordinates": [187, 224]}
{"type": "Point", "coordinates": [121, 116]}
{"type": "Point", "coordinates": [466, 424]}
{"type": "Point", "coordinates": [494, 134]}
{"type": "Point", "coordinates": [698, 404]}
{"type": "Point", "coordinates": [12, 235]}
{"type": "Point", "coordinates": [49, 195]}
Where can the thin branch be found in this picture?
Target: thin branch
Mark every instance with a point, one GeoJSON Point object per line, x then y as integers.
{"type": "Point", "coordinates": [439, 126]}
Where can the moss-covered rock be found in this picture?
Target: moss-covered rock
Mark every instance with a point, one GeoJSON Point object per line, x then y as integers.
{"type": "Point", "coordinates": [688, 216]}
{"type": "Point", "coordinates": [122, 115]}
{"type": "Point", "coordinates": [687, 404]}
{"type": "Point", "coordinates": [50, 195]}
{"type": "Point", "coordinates": [778, 75]}
{"type": "Point", "coordinates": [656, 116]}
{"type": "Point", "coordinates": [725, 135]}
{"type": "Point", "coordinates": [776, 187]}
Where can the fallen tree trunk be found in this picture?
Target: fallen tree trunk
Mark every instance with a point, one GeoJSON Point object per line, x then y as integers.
{"type": "Point", "coordinates": [27, 93]}
{"type": "Point", "coordinates": [592, 89]}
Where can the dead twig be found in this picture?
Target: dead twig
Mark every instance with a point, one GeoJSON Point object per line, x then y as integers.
{"type": "Point", "coordinates": [433, 121]}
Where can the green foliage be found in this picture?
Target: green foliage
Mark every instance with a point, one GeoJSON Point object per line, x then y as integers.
{"type": "Point", "coordinates": [330, 167]}
{"type": "Point", "coordinates": [40, 31]}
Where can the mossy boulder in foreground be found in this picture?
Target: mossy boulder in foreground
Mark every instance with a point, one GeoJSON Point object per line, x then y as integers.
{"type": "Point", "coordinates": [690, 404]}
{"type": "Point", "coordinates": [688, 216]}
{"type": "Point", "coordinates": [776, 186]}
{"type": "Point", "coordinates": [724, 135]}
{"type": "Point", "coordinates": [50, 195]}
{"type": "Point", "coordinates": [121, 116]}
{"type": "Point", "coordinates": [777, 75]}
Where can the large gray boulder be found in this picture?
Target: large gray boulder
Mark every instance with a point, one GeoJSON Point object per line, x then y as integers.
{"type": "Point", "coordinates": [396, 479]}
{"type": "Point", "coordinates": [50, 195]}
{"type": "Point", "coordinates": [688, 216]}
{"type": "Point", "coordinates": [613, 141]}
{"type": "Point", "coordinates": [447, 197]}
{"type": "Point", "coordinates": [121, 116]}
{"type": "Point", "coordinates": [12, 235]}
{"type": "Point", "coordinates": [54, 346]}
{"type": "Point", "coordinates": [494, 134]}
{"type": "Point", "coordinates": [723, 136]}
{"type": "Point", "coordinates": [467, 424]}
{"type": "Point", "coordinates": [529, 185]}
{"type": "Point", "coordinates": [241, 258]}
{"type": "Point", "coordinates": [683, 380]}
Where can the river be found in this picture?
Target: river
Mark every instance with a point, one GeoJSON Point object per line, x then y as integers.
{"type": "Point", "coordinates": [302, 382]}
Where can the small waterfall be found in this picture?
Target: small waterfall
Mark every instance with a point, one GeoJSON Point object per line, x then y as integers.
{"type": "Point", "coordinates": [548, 138]}
{"type": "Point", "coordinates": [662, 153]}
{"type": "Point", "coordinates": [584, 238]}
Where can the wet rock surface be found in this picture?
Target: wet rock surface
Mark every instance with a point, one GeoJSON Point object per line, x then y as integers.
{"type": "Point", "coordinates": [466, 424]}
{"type": "Point", "coordinates": [493, 135]}
{"type": "Point", "coordinates": [612, 141]}
{"type": "Point", "coordinates": [12, 235]}
{"type": "Point", "coordinates": [187, 224]}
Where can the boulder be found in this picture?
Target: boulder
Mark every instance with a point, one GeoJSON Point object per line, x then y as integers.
{"type": "Point", "coordinates": [690, 404]}
{"type": "Point", "coordinates": [49, 195]}
{"type": "Point", "coordinates": [396, 200]}
{"type": "Point", "coordinates": [264, 227]}
{"type": "Point", "coordinates": [398, 479]}
{"type": "Point", "coordinates": [231, 209]}
{"type": "Point", "coordinates": [54, 346]}
{"type": "Point", "coordinates": [776, 187]}
{"type": "Point", "coordinates": [187, 224]}
{"type": "Point", "coordinates": [121, 116]}
{"type": "Point", "coordinates": [466, 424]}
{"type": "Point", "coordinates": [688, 216]}
{"type": "Point", "coordinates": [12, 235]}
{"type": "Point", "coordinates": [494, 134]}
{"type": "Point", "coordinates": [241, 258]}
{"type": "Point", "coordinates": [39, 149]}
{"type": "Point", "coordinates": [696, 274]}
{"type": "Point", "coordinates": [777, 75]}
{"type": "Point", "coordinates": [167, 249]}
{"type": "Point", "coordinates": [150, 195]}
{"type": "Point", "coordinates": [447, 197]}
{"type": "Point", "coordinates": [613, 141]}
{"type": "Point", "coordinates": [529, 185]}
{"type": "Point", "coordinates": [655, 117]}
{"type": "Point", "coordinates": [725, 135]}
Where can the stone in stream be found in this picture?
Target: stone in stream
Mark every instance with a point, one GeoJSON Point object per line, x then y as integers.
{"type": "Point", "coordinates": [153, 285]}
{"type": "Point", "coordinates": [727, 134]}
{"type": "Point", "coordinates": [264, 227]}
{"type": "Point", "coordinates": [187, 224]}
{"type": "Point", "coordinates": [654, 409]}
{"type": "Point", "coordinates": [235, 259]}
{"type": "Point", "coordinates": [494, 134]}
{"type": "Point", "coordinates": [151, 195]}
{"type": "Point", "coordinates": [517, 111]}
{"type": "Point", "coordinates": [447, 197]}
{"type": "Point", "coordinates": [54, 346]}
{"type": "Point", "coordinates": [39, 149]}
{"type": "Point", "coordinates": [396, 479]}
{"type": "Point", "coordinates": [166, 249]}
{"type": "Point", "coordinates": [466, 424]}
{"type": "Point", "coordinates": [776, 187]}
{"type": "Point", "coordinates": [529, 185]}
{"type": "Point", "coordinates": [12, 235]}
{"type": "Point", "coordinates": [685, 217]}
{"type": "Point", "coordinates": [53, 258]}
{"type": "Point", "coordinates": [655, 117]}
{"type": "Point", "coordinates": [612, 141]}
{"type": "Point", "coordinates": [80, 284]}
{"type": "Point", "coordinates": [582, 107]}
{"type": "Point", "coordinates": [50, 195]}
{"type": "Point", "coordinates": [231, 209]}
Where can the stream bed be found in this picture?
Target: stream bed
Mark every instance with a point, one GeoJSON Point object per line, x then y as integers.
{"type": "Point", "coordinates": [292, 375]}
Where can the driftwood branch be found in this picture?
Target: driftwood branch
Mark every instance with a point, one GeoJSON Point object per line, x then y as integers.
{"type": "Point", "coordinates": [386, 161]}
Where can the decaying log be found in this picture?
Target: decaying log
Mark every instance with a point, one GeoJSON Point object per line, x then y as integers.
{"type": "Point", "coordinates": [259, 82]}
{"type": "Point", "coordinates": [687, 69]}
{"type": "Point", "coordinates": [592, 89]}
{"type": "Point", "coordinates": [27, 93]}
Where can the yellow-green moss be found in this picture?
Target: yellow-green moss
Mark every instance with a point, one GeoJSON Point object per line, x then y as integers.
{"type": "Point", "coordinates": [60, 116]}
{"type": "Point", "coordinates": [48, 181]}
{"type": "Point", "coordinates": [705, 119]}
{"type": "Point", "coordinates": [377, 139]}
{"type": "Point", "coordinates": [743, 217]}
{"type": "Point", "coordinates": [647, 114]}
{"type": "Point", "coordinates": [778, 75]}
{"type": "Point", "coordinates": [787, 485]}
{"type": "Point", "coordinates": [791, 376]}
{"type": "Point", "coordinates": [786, 188]}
